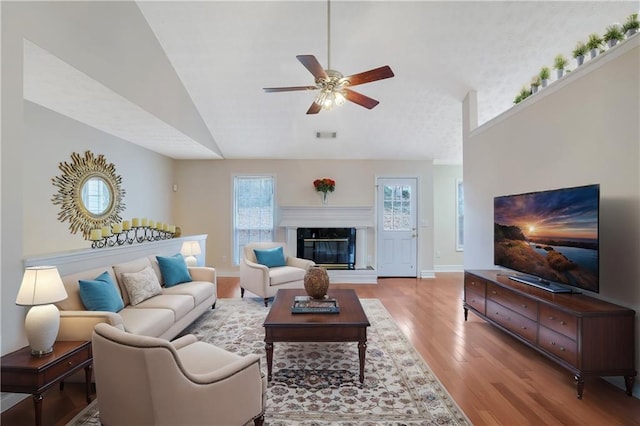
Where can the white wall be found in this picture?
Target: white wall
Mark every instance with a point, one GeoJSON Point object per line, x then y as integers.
{"type": "Point", "coordinates": [582, 130]}
{"type": "Point", "coordinates": [30, 154]}
{"type": "Point", "coordinates": [204, 197]}
{"type": "Point", "coordinates": [146, 177]}
{"type": "Point", "coordinates": [445, 178]}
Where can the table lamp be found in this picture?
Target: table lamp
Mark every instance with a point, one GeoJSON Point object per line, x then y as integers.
{"type": "Point", "coordinates": [41, 287]}
{"type": "Point", "coordinates": [189, 250]}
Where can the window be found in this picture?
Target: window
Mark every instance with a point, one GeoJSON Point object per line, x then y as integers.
{"type": "Point", "coordinates": [253, 212]}
{"type": "Point", "coordinates": [459, 216]}
{"type": "Point", "coordinates": [397, 208]}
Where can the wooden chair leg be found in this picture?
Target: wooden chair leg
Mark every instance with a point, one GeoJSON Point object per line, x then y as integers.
{"type": "Point", "coordinates": [241, 292]}
{"type": "Point", "coordinates": [259, 421]}
{"type": "Point", "coordinates": [266, 302]}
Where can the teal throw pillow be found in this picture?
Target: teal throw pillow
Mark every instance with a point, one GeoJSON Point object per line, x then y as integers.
{"type": "Point", "coordinates": [271, 257]}
{"type": "Point", "coordinates": [174, 270]}
{"type": "Point", "coordinates": [100, 294]}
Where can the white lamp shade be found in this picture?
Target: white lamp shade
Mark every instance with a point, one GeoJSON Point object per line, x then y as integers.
{"type": "Point", "coordinates": [190, 248]}
{"type": "Point", "coordinates": [41, 285]}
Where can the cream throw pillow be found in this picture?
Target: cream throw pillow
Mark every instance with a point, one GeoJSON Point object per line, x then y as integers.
{"type": "Point", "coordinates": [141, 285]}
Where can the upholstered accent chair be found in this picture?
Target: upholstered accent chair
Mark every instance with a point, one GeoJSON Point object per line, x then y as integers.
{"type": "Point", "coordinates": [143, 380]}
{"type": "Point", "coordinates": [266, 278]}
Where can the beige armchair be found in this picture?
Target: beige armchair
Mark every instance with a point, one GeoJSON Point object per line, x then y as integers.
{"type": "Point", "coordinates": [143, 380]}
{"type": "Point", "coordinates": [264, 281]}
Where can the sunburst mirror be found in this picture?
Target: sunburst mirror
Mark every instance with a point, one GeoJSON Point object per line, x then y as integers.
{"type": "Point", "coordinates": [89, 193]}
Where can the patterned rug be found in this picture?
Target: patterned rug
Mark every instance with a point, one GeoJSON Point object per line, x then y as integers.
{"type": "Point", "coordinates": [317, 383]}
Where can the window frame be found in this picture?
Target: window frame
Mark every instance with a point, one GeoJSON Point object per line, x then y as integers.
{"type": "Point", "coordinates": [459, 215]}
{"type": "Point", "coordinates": [236, 255]}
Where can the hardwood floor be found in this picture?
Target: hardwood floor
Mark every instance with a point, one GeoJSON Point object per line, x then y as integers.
{"type": "Point", "coordinates": [495, 379]}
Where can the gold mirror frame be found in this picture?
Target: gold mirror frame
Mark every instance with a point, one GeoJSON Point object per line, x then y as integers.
{"type": "Point", "coordinates": [74, 176]}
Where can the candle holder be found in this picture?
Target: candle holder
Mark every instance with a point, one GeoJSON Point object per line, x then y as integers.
{"type": "Point", "coordinates": [137, 234]}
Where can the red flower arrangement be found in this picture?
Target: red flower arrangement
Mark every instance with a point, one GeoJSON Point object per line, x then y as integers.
{"type": "Point", "coordinates": [324, 185]}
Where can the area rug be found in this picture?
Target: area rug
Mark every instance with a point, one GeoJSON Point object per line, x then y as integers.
{"type": "Point", "coordinates": [317, 383]}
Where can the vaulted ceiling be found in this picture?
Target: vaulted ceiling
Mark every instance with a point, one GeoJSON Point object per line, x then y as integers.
{"type": "Point", "coordinates": [224, 53]}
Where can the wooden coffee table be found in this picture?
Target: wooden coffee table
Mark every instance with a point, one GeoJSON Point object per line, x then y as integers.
{"type": "Point", "coordinates": [350, 325]}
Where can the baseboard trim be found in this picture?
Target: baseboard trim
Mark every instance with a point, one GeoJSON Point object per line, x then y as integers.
{"type": "Point", "coordinates": [427, 274]}
{"type": "Point", "coordinates": [449, 268]}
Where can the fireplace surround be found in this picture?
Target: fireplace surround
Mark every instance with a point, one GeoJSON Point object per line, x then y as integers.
{"type": "Point", "coordinates": [361, 218]}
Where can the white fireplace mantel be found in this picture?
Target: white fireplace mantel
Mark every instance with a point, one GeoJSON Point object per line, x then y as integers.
{"type": "Point", "coordinates": [326, 217]}
{"type": "Point", "coordinates": [361, 218]}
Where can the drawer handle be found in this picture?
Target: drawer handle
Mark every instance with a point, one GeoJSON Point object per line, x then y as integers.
{"type": "Point", "coordinates": [551, 318]}
{"type": "Point", "coordinates": [69, 363]}
{"type": "Point", "coordinates": [524, 306]}
{"type": "Point", "coordinates": [494, 292]}
{"type": "Point", "coordinates": [553, 343]}
{"type": "Point", "coordinates": [524, 327]}
{"type": "Point", "coordinates": [562, 322]}
{"type": "Point", "coordinates": [561, 349]}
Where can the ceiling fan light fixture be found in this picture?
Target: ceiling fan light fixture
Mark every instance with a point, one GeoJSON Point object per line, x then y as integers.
{"type": "Point", "coordinates": [328, 99]}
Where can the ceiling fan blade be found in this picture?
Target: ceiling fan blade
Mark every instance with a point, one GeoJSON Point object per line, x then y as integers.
{"type": "Point", "coordinates": [288, 89]}
{"type": "Point", "coordinates": [314, 108]}
{"type": "Point", "coordinates": [360, 99]}
{"type": "Point", "coordinates": [369, 76]}
{"type": "Point", "coordinates": [311, 63]}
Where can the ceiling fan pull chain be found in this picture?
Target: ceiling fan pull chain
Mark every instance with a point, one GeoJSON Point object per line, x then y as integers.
{"type": "Point", "coordinates": [329, 34]}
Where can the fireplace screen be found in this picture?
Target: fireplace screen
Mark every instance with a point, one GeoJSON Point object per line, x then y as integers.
{"type": "Point", "coordinates": [333, 248]}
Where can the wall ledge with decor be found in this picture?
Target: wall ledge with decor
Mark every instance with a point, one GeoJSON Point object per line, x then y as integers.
{"type": "Point", "coordinates": [74, 261]}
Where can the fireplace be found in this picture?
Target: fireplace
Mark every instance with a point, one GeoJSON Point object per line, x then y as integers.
{"type": "Point", "coordinates": [333, 248]}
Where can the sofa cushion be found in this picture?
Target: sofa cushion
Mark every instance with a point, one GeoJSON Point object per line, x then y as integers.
{"type": "Point", "coordinates": [141, 285]}
{"type": "Point", "coordinates": [179, 304]}
{"type": "Point", "coordinates": [174, 270]}
{"type": "Point", "coordinates": [198, 290]}
{"type": "Point", "coordinates": [146, 322]}
{"type": "Point", "coordinates": [285, 274]}
{"type": "Point", "coordinates": [100, 294]}
{"type": "Point", "coordinates": [270, 258]}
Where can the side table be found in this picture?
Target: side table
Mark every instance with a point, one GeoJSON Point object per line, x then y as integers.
{"type": "Point", "coordinates": [24, 373]}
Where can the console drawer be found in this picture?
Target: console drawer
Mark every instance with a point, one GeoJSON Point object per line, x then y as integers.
{"type": "Point", "coordinates": [514, 301]}
{"type": "Point", "coordinates": [474, 285]}
{"type": "Point", "coordinates": [559, 345]}
{"type": "Point", "coordinates": [475, 301]}
{"type": "Point", "coordinates": [559, 321]}
{"type": "Point", "coordinates": [520, 325]}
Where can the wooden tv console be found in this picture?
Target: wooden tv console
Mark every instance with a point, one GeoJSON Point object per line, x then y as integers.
{"type": "Point", "coordinates": [587, 336]}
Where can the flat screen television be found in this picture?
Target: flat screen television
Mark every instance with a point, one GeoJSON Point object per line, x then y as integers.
{"type": "Point", "coordinates": [550, 237]}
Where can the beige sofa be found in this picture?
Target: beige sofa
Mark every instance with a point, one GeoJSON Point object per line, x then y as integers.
{"type": "Point", "coordinates": [164, 315]}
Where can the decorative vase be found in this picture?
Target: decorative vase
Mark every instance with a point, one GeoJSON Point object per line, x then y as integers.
{"type": "Point", "coordinates": [580, 59]}
{"type": "Point", "coordinates": [316, 282]}
{"type": "Point", "coordinates": [559, 73]}
{"type": "Point", "coordinates": [593, 53]}
{"type": "Point", "coordinates": [325, 198]}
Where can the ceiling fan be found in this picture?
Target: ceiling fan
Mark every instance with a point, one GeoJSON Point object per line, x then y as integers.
{"type": "Point", "coordinates": [333, 87]}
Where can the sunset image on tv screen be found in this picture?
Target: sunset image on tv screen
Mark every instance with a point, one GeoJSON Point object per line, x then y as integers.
{"type": "Point", "coordinates": [552, 235]}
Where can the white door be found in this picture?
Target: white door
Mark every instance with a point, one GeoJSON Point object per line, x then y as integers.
{"type": "Point", "coordinates": [397, 227]}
